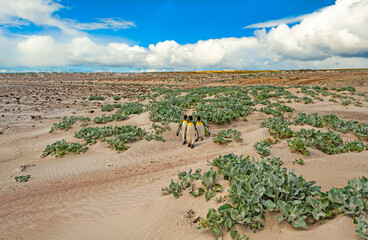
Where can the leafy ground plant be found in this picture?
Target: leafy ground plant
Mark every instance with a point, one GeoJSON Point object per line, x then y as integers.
{"type": "Point", "coordinates": [260, 186]}
{"type": "Point", "coordinates": [130, 108]}
{"type": "Point", "coordinates": [60, 148]}
{"type": "Point", "coordinates": [24, 178]}
{"type": "Point", "coordinates": [107, 108]}
{"type": "Point", "coordinates": [67, 123]}
{"type": "Point", "coordinates": [362, 228]}
{"type": "Point", "coordinates": [262, 147]}
{"type": "Point", "coordinates": [116, 136]}
{"type": "Point", "coordinates": [100, 98]}
{"type": "Point", "coordinates": [118, 141]}
{"type": "Point", "coordinates": [225, 136]}
{"type": "Point", "coordinates": [329, 142]}
{"type": "Point", "coordinates": [157, 132]}
{"type": "Point", "coordinates": [333, 122]}
{"type": "Point", "coordinates": [116, 97]}
{"type": "Point", "coordinates": [186, 180]}
{"type": "Point", "coordinates": [109, 118]}
{"type": "Point", "coordinates": [298, 161]}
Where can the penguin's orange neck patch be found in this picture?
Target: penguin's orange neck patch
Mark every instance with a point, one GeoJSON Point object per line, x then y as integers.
{"type": "Point", "coordinates": [185, 121]}
{"type": "Point", "coordinates": [190, 124]}
{"type": "Point", "coordinates": [199, 123]}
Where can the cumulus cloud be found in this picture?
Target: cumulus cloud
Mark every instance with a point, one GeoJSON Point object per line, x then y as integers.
{"type": "Point", "coordinates": [42, 13]}
{"type": "Point", "coordinates": [336, 30]}
{"type": "Point", "coordinates": [333, 37]}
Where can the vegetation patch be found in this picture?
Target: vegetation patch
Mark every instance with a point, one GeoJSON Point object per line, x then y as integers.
{"type": "Point", "coordinates": [125, 135]}
{"type": "Point", "coordinates": [130, 108]}
{"type": "Point", "coordinates": [225, 136]}
{"type": "Point", "coordinates": [113, 117]}
{"type": "Point", "coordinates": [117, 137]}
{"type": "Point", "coordinates": [67, 123]}
{"type": "Point", "coordinates": [24, 178]}
{"type": "Point", "coordinates": [60, 148]}
{"type": "Point", "coordinates": [116, 97]}
{"type": "Point", "coordinates": [263, 145]}
{"type": "Point", "coordinates": [333, 122]}
{"type": "Point", "coordinates": [260, 186]}
{"type": "Point", "coordinates": [298, 161]}
{"type": "Point", "coordinates": [107, 108]}
{"type": "Point", "coordinates": [99, 98]}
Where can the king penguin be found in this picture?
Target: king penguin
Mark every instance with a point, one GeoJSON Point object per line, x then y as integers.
{"type": "Point", "coordinates": [200, 128]}
{"type": "Point", "coordinates": [191, 132]}
{"type": "Point", "coordinates": [183, 127]}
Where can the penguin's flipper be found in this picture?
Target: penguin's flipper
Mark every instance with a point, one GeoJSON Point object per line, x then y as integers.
{"type": "Point", "coordinates": [208, 130]}
{"type": "Point", "coordinates": [177, 131]}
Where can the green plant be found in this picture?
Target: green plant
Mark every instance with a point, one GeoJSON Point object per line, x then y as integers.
{"type": "Point", "coordinates": [346, 102]}
{"type": "Point", "coordinates": [130, 108]}
{"type": "Point", "coordinates": [362, 227]}
{"type": "Point", "coordinates": [358, 104]}
{"type": "Point", "coordinates": [157, 132]}
{"type": "Point", "coordinates": [22, 178]}
{"type": "Point", "coordinates": [333, 122]}
{"type": "Point", "coordinates": [60, 148]}
{"type": "Point", "coordinates": [298, 161]}
{"type": "Point", "coordinates": [225, 136]}
{"type": "Point", "coordinates": [209, 182]}
{"type": "Point", "coordinates": [278, 127]}
{"type": "Point", "coordinates": [116, 97]}
{"type": "Point", "coordinates": [276, 109]}
{"type": "Point", "coordinates": [185, 181]}
{"type": "Point", "coordinates": [107, 108]}
{"type": "Point", "coordinates": [262, 147]}
{"type": "Point", "coordinates": [298, 145]}
{"type": "Point", "coordinates": [220, 199]}
{"type": "Point", "coordinates": [67, 123]}
{"type": "Point", "coordinates": [307, 100]}
{"type": "Point", "coordinates": [100, 98]}
{"type": "Point", "coordinates": [260, 186]}
{"type": "Point", "coordinates": [113, 117]}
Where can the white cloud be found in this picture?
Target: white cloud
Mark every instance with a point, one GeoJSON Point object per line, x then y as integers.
{"type": "Point", "coordinates": [42, 13]}
{"type": "Point", "coordinates": [38, 12]}
{"type": "Point", "coordinates": [274, 23]}
{"type": "Point", "coordinates": [105, 23]}
{"type": "Point", "coordinates": [333, 37]}
{"type": "Point", "coordinates": [338, 30]}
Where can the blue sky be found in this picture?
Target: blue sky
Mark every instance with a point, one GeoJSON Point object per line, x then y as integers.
{"type": "Point", "coordinates": [186, 21]}
{"type": "Point", "coordinates": [81, 35]}
{"type": "Point", "coordinates": [181, 21]}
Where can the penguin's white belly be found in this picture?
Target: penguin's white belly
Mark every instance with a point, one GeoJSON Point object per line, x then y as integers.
{"type": "Point", "coordinates": [191, 134]}
{"type": "Point", "coordinates": [183, 131]}
{"type": "Point", "coordinates": [200, 129]}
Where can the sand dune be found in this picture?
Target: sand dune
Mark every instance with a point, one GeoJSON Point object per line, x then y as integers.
{"type": "Point", "coordinates": [102, 194]}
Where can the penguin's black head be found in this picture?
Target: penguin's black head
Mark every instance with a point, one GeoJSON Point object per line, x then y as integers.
{"type": "Point", "coordinates": [185, 116]}
{"type": "Point", "coordinates": [198, 118]}
{"type": "Point", "coordinates": [190, 118]}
